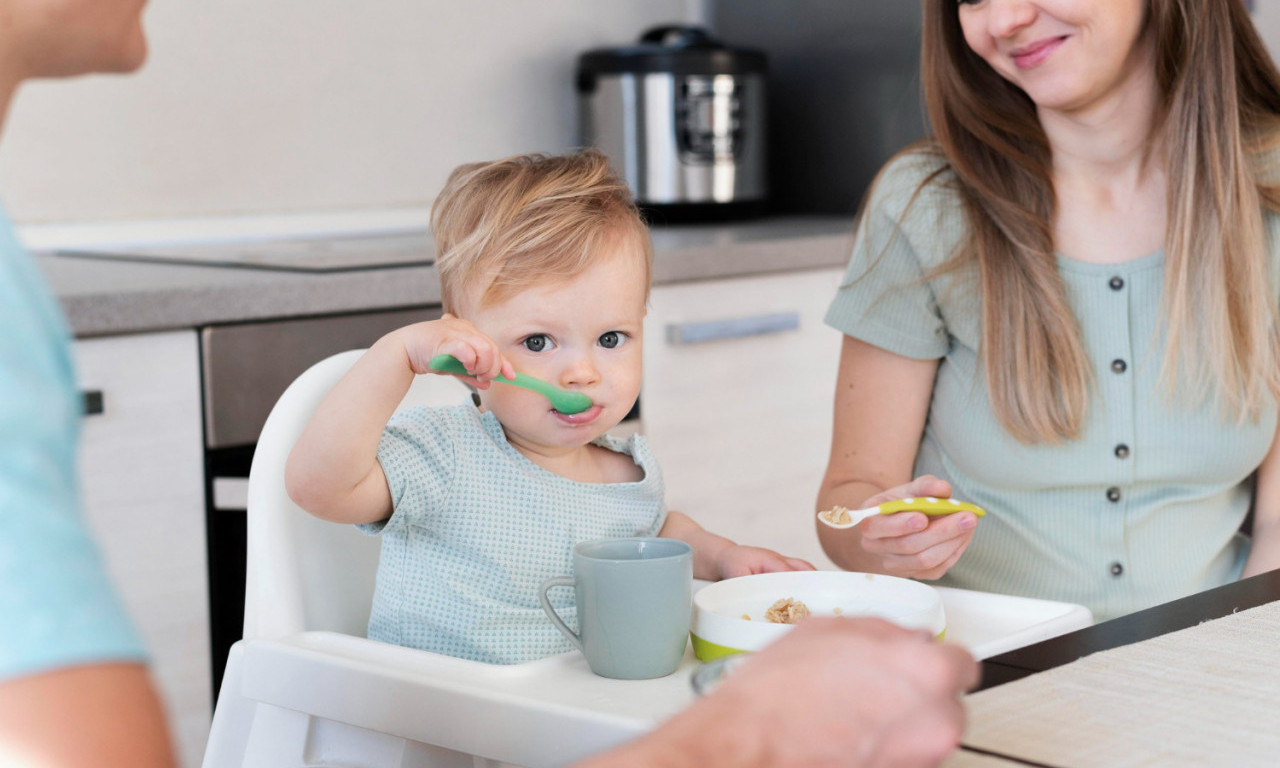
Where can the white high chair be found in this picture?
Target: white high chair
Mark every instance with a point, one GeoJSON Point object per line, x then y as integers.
{"type": "Point", "coordinates": [304, 687]}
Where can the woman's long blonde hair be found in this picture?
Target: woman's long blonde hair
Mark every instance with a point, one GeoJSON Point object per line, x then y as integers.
{"type": "Point", "coordinates": [1219, 112]}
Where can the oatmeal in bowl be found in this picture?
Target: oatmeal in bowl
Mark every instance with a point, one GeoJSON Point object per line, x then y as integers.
{"type": "Point", "coordinates": [749, 612]}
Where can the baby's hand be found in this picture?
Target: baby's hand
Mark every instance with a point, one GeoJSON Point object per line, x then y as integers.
{"type": "Point", "coordinates": [452, 335]}
{"type": "Point", "coordinates": [739, 560]}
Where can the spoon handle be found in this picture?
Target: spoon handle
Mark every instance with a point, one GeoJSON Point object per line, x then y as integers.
{"type": "Point", "coordinates": [561, 400]}
{"type": "Point", "coordinates": [451, 364]}
{"type": "Point", "coordinates": [929, 506]}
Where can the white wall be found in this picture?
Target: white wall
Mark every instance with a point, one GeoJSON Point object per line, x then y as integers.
{"type": "Point", "coordinates": [1266, 16]}
{"type": "Point", "coordinates": [253, 106]}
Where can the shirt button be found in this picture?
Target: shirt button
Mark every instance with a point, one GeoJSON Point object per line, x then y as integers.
{"type": "Point", "coordinates": [1117, 569]}
{"type": "Point", "coordinates": [1119, 366]}
{"type": "Point", "coordinates": [1113, 494]}
{"type": "Point", "coordinates": [1122, 451]}
{"type": "Point", "coordinates": [1116, 283]}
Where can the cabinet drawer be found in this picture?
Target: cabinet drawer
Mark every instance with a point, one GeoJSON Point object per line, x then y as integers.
{"type": "Point", "coordinates": [737, 402]}
{"type": "Point", "coordinates": [141, 466]}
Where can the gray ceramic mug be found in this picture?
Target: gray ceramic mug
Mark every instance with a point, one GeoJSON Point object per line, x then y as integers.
{"type": "Point", "coordinates": [634, 599]}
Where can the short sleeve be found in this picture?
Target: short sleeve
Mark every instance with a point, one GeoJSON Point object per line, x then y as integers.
{"type": "Point", "coordinates": [58, 606]}
{"type": "Point", "coordinates": [883, 298]}
{"type": "Point", "coordinates": [418, 457]}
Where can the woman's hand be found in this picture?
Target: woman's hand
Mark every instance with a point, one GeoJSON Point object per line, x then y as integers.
{"type": "Point", "coordinates": [913, 544]}
{"type": "Point", "coordinates": [451, 335]}
{"type": "Point", "coordinates": [739, 560]}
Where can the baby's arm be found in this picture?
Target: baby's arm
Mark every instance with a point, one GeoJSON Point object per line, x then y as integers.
{"type": "Point", "coordinates": [715, 557]}
{"type": "Point", "coordinates": [333, 470]}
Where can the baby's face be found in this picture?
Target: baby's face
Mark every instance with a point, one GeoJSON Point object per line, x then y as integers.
{"type": "Point", "coordinates": [584, 336]}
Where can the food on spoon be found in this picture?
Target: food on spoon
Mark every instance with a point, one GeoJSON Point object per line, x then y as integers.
{"type": "Point", "coordinates": [837, 515]}
{"type": "Point", "coordinates": [788, 610]}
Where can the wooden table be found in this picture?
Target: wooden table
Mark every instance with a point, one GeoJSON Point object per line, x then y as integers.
{"type": "Point", "coordinates": [1142, 625]}
{"type": "Point", "coordinates": [1152, 622]}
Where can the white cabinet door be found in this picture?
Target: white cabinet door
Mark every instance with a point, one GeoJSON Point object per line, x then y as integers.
{"type": "Point", "coordinates": [141, 464]}
{"type": "Point", "coordinates": [737, 403]}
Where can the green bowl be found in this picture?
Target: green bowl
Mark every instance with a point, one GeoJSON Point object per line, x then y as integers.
{"type": "Point", "coordinates": [719, 628]}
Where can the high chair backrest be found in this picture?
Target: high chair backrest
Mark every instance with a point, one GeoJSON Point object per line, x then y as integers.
{"type": "Point", "coordinates": [304, 573]}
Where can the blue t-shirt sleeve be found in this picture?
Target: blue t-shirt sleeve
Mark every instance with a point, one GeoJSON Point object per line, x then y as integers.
{"type": "Point", "coordinates": [57, 604]}
{"type": "Point", "coordinates": [418, 454]}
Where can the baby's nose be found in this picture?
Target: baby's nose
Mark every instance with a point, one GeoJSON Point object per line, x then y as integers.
{"type": "Point", "coordinates": [581, 372]}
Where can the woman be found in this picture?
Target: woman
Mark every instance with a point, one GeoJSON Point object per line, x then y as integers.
{"type": "Point", "coordinates": [1061, 308]}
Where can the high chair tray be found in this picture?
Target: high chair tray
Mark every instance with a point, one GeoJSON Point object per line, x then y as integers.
{"type": "Point", "coordinates": [545, 713]}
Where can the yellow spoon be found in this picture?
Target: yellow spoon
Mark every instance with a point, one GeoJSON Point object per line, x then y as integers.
{"type": "Point", "coordinates": [839, 517]}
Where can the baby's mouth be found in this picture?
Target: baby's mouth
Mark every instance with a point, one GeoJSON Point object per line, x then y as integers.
{"type": "Point", "coordinates": [585, 417]}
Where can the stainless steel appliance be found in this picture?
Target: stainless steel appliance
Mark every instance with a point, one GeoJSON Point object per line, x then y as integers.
{"type": "Point", "coordinates": [682, 118]}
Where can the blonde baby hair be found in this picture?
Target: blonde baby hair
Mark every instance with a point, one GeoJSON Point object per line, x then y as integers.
{"type": "Point", "coordinates": [506, 225]}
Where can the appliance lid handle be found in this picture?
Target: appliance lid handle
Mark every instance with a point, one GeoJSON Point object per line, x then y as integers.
{"type": "Point", "coordinates": [680, 36]}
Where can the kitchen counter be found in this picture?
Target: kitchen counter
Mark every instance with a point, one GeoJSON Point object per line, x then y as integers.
{"type": "Point", "coordinates": [102, 297]}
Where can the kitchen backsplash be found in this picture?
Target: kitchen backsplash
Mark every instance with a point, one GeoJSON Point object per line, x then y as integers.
{"type": "Point", "coordinates": [248, 107]}
{"type": "Point", "coordinates": [311, 106]}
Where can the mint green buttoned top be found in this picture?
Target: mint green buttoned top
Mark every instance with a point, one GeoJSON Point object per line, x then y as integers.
{"type": "Point", "coordinates": [1144, 507]}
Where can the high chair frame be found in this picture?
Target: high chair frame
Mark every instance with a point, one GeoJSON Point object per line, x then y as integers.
{"type": "Point", "coordinates": [305, 688]}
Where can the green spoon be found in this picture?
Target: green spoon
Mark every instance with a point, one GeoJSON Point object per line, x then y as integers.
{"type": "Point", "coordinates": [562, 400]}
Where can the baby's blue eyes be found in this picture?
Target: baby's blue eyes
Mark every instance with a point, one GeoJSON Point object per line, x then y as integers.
{"type": "Point", "coordinates": [541, 342]}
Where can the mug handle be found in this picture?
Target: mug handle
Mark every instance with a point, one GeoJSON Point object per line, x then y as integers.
{"type": "Point", "coordinates": [558, 581]}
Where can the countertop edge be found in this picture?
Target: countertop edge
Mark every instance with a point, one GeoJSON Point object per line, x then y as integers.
{"type": "Point", "coordinates": [105, 298]}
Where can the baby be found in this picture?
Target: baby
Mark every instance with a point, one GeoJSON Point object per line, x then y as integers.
{"type": "Point", "coordinates": [544, 268]}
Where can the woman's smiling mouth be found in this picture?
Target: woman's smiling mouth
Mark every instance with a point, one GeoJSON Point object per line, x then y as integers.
{"type": "Point", "coordinates": [1032, 55]}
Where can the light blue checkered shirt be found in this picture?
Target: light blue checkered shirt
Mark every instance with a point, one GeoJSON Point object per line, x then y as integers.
{"type": "Point", "coordinates": [477, 528]}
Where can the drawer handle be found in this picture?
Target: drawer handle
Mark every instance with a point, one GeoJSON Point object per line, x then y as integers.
{"type": "Point", "coordinates": [93, 402]}
{"type": "Point", "coordinates": [735, 328]}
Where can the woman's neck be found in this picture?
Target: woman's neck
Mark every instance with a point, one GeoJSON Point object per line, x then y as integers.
{"type": "Point", "coordinates": [1108, 175]}
{"type": "Point", "coordinates": [1110, 193]}
{"type": "Point", "coordinates": [1111, 139]}
{"type": "Point", "coordinates": [1108, 140]}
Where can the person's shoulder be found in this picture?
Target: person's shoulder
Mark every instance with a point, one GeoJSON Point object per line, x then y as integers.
{"type": "Point", "coordinates": [916, 183]}
{"type": "Point", "coordinates": [435, 416]}
{"type": "Point", "coordinates": [423, 425]}
{"type": "Point", "coordinates": [919, 170]}
{"type": "Point", "coordinates": [916, 194]}
{"type": "Point", "coordinates": [634, 446]}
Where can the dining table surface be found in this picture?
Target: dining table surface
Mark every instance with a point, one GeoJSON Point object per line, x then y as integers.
{"type": "Point", "coordinates": [1000, 745]}
{"type": "Point", "coordinates": [1131, 628]}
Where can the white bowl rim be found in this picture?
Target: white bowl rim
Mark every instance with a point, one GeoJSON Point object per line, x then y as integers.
{"type": "Point", "coordinates": [718, 607]}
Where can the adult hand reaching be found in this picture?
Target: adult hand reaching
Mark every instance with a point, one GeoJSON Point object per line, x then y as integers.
{"type": "Point", "coordinates": [856, 692]}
